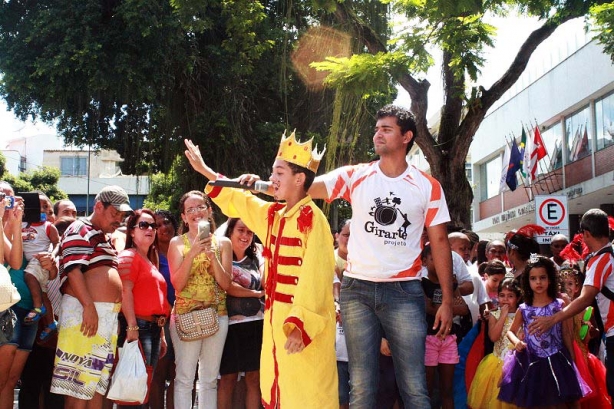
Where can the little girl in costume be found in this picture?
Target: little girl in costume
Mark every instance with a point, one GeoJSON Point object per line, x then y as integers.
{"type": "Point", "coordinates": [590, 367]}
{"type": "Point", "coordinates": [485, 386]}
{"type": "Point", "coordinates": [541, 370]}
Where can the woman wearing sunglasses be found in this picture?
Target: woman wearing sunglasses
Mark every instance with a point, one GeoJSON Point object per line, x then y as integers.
{"type": "Point", "coordinates": [145, 307]}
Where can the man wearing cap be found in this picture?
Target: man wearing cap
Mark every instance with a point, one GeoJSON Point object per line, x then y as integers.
{"type": "Point", "coordinates": [90, 304]}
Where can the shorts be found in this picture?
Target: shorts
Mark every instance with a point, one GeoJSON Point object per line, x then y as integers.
{"type": "Point", "coordinates": [242, 348]}
{"type": "Point", "coordinates": [42, 276]}
{"type": "Point", "coordinates": [441, 351]}
{"type": "Point", "coordinates": [344, 382]}
{"type": "Point", "coordinates": [23, 335]}
{"type": "Point", "coordinates": [83, 365]}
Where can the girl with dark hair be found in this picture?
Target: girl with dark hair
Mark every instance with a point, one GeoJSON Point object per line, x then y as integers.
{"type": "Point", "coordinates": [541, 372]}
{"type": "Point", "coordinates": [245, 318]}
{"type": "Point", "coordinates": [145, 308]}
{"type": "Point", "coordinates": [485, 386]}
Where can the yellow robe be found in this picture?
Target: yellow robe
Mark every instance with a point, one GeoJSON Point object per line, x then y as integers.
{"type": "Point", "coordinates": [299, 268]}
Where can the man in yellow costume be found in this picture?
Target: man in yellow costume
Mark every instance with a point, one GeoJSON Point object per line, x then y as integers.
{"type": "Point", "coordinates": [298, 367]}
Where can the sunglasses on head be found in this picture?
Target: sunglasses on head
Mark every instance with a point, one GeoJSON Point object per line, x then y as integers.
{"type": "Point", "coordinates": [142, 225]}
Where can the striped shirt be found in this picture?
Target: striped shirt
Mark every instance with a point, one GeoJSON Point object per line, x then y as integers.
{"type": "Point", "coordinates": [598, 275]}
{"type": "Point", "coordinates": [83, 246]}
{"type": "Point", "coordinates": [388, 217]}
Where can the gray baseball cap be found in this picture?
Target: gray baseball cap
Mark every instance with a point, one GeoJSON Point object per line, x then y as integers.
{"type": "Point", "coordinates": [116, 196]}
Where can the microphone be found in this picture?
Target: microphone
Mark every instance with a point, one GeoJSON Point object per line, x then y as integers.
{"type": "Point", "coordinates": [258, 185]}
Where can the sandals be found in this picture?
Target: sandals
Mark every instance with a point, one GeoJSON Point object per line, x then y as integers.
{"type": "Point", "coordinates": [48, 332]}
{"type": "Point", "coordinates": [34, 315]}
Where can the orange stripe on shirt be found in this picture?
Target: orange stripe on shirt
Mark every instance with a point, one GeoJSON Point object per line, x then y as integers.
{"type": "Point", "coordinates": [413, 271]}
{"type": "Point", "coordinates": [602, 270]}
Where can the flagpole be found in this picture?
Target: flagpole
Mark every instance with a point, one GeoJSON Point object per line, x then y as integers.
{"type": "Point", "coordinates": [550, 188]}
{"type": "Point", "coordinates": [521, 177]}
{"type": "Point", "coordinates": [542, 168]}
{"type": "Point", "coordinates": [529, 178]}
{"type": "Point", "coordinates": [525, 164]}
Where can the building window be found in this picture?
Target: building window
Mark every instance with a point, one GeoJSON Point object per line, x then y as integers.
{"type": "Point", "coordinates": [553, 139]}
{"type": "Point", "coordinates": [73, 166]}
{"type": "Point", "coordinates": [604, 111]}
{"type": "Point", "coordinates": [490, 177]}
{"type": "Point", "coordinates": [469, 172]}
{"type": "Point", "coordinates": [578, 133]}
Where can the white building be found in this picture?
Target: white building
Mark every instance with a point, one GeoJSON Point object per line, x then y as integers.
{"type": "Point", "coordinates": [568, 96]}
{"type": "Point", "coordinates": [83, 172]}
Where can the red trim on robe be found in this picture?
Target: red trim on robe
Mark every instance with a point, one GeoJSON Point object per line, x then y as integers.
{"type": "Point", "coordinates": [286, 279]}
{"type": "Point", "coordinates": [214, 192]}
{"type": "Point", "coordinates": [299, 324]}
{"type": "Point", "coordinates": [287, 241]}
{"type": "Point", "coordinates": [285, 298]}
{"type": "Point", "coordinates": [289, 261]}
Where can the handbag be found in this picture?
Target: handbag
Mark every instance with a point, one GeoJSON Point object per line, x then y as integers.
{"type": "Point", "coordinates": [197, 324]}
{"type": "Point", "coordinates": [8, 292]}
{"type": "Point", "coordinates": [132, 376]}
{"type": "Point", "coordinates": [7, 325]}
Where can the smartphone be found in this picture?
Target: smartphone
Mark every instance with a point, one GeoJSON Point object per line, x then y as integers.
{"type": "Point", "coordinates": [204, 229]}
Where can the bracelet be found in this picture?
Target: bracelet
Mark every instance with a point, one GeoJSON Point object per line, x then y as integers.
{"type": "Point", "coordinates": [135, 328]}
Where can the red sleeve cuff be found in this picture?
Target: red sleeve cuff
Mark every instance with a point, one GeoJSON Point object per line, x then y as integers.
{"type": "Point", "coordinates": [215, 191]}
{"type": "Point", "coordinates": [299, 324]}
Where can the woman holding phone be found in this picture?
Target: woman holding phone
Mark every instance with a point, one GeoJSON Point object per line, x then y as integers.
{"type": "Point", "coordinates": [200, 265]}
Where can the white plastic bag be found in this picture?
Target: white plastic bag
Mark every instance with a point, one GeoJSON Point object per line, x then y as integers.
{"type": "Point", "coordinates": [129, 382]}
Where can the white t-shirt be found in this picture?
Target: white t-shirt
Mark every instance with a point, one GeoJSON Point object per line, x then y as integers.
{"type": "Point", "coordinates": [388, 217]}
{"type": "Point", "coordinates": [599, 274]}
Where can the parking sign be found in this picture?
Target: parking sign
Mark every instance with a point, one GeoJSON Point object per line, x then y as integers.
{"type": "Point", "coordinates": [551, 213]}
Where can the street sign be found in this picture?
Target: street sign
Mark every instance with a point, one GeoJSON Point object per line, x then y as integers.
{"type": "Point", "coordinates": [551, 213]}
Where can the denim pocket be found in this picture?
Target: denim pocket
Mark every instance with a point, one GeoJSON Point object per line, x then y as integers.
{"type": "Point", "coordinates": [411, 288]}
{"type": "Point", "coordinates": [347, 283]}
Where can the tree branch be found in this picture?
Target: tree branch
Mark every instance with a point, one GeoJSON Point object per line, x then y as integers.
{"type": "Point", "coordinates": [478, 108]}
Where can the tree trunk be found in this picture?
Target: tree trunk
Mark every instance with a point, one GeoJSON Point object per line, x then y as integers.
{"type": "Point", "coordinates": [450, 172]}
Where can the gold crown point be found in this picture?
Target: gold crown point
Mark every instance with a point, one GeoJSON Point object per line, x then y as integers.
{"type": "Point", "coordinates": [299, 153]}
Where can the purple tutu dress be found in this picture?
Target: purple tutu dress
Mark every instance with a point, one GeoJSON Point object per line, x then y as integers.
{"type": "Point", "coordinates": [543, 373]}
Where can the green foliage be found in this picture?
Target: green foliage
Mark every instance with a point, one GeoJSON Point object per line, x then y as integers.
{"type": "Point", "coordinates": [365, 74]}
{"type": "Point", "coordinates": [44, 179]}
{"type": "Point", "coordinates": [2, 164]}
{"type": "Point", "coordinates": [603, 18]}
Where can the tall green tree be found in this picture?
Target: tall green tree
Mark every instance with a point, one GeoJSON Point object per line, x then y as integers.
{"type": "Point", "coordinates": [457, 28]}
{"type": "Point", "coordinates": [139, 76]}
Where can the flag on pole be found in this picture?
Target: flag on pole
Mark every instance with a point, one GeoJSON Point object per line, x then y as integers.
{"type": "Point", "coordinates": [525, 153]}
{"type": "Point", "coordinates": [538, 152]}
{"type": "Point", "coordinates": [513, 167]}
{"type": "Point", "coordinates": [504, 166]}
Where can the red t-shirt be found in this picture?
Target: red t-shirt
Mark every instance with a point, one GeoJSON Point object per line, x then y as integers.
{"type": "Point", "coordinates": [149, 291]}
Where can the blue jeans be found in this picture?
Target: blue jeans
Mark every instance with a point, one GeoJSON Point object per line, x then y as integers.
{"type": "Point", "coordinates": [149, 335]}
{"type": "Point", "coordinates": [23, 335]}
{"type": "Point", "coordinates": [397, 309]}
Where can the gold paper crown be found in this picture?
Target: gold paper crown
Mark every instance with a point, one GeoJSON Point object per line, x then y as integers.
{"type": "Point", "coordinates": [298, 153]}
